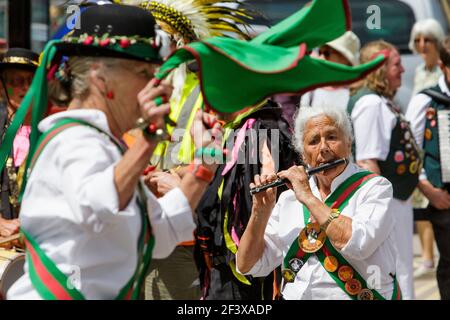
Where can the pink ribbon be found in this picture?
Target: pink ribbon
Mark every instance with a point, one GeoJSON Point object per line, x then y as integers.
{"type": "Point", "coordinates": [239, 141]}
{"type": "Point", "coordinates": [21, 145]}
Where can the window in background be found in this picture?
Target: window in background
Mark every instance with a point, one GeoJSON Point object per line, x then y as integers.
{"type": "Point", "coordinates": [397, 18]}
{"type": "Point", "coordinates": [57, 17]}
{"type": "Point", "coordinates": [270, 12]}
{"type": "Point", "coordinates": [39, 24]}
{"type": "Point", "coordinates": [4, 19]}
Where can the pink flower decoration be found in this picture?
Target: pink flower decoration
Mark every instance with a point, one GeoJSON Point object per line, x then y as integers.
{"type": "Point", "coordinates": [105, 43]}
{"type": "Point", "coordinates": [124, 43]}
{"type": "Point", "coordinates": [399, 157]}
{"type": "Point", "coordinates": [89, 40]}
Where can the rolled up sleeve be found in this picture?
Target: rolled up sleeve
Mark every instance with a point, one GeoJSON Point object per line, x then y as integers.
{"type": "Point", "coordinates": [416, 115]}
{"type": "Point", "coordinates": [372, 222]}
{"type": "Point", "coordinates": [273, 254]}
{"type": "Point", "coordinates": [172, 222]}
{"type": "Point", "coordinates": [371, 140]}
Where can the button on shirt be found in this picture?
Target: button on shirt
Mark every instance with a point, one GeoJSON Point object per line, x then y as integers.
{"type": "Point", "coordinates": [370, 250]}
{"type": "Point", "coordinates": [71, 208]}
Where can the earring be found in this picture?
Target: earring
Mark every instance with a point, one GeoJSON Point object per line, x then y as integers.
{"type": "Point", "coordinates": [110, 95]}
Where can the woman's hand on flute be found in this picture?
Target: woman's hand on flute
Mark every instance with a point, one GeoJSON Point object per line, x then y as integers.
{"type": "Point", "coordinates": [298, 182]}
{"type": "Point", "coordinates": [264, 201]}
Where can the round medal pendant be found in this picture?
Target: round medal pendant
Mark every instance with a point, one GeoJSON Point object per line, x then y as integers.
{"type": "Point", "coordinates": [353, 287]}
{"type": "Point", "coordinates": [401, 169]}
{"type": "Point", "coordinates": [288, 275]}
{"type": "Point", "coordinates": [365, 294]}
{"type": "Point", "coordinates": [295, 264]}
{"type": "Point", "coordinates": [414, 167]}
{"type": "Point", "coordinates": [331, 264]}
{"type": "Point", "coordinates": [407, 135]}
{"type": "Point", "coordinates": [399, 156]}
{"type": "Point", "coordinates": [430, 113]}
{"type": "Point", "coordinates": [311, 238]}
{"type": "Point", "coordinates": [345, 273]}
{"type": "Point", "coordinates": [428, 134]}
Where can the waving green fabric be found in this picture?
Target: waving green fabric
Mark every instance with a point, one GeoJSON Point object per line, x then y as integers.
{"type": "Point", "coordinates": [236, 74]}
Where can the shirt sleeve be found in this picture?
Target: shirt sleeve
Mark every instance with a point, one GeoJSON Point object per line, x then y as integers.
{"type": "Point", "coordinates": [416, 115]}
{"type": "Point", "coordinates": [305, 100]}
{"type": "Point", "coordinates": [371, 139]}
{"type": "Point", "coordinates": [273, 255]}
{"type": "Point", "coordinates": [372, 222]}
{"type": "Point", "coordinates": [172, 221]}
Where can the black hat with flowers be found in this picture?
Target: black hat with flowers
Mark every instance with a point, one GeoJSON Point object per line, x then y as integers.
{"type": "Point", "coordinates": [113, 31]}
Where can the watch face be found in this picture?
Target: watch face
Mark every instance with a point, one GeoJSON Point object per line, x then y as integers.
{"type": "Point", "coordinates": [335, 213]}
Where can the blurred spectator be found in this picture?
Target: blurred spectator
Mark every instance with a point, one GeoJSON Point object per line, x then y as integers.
{"type": "Point", "coordinates": [423, 115]}
{"type": "Point", "coordinates": [289, 106]}
{"type": "Point", "coordinates": [343, 50]}
{"type": "Point", "coordinates": [425, 37]}
{"type": "Point", "coordinates": [384, 144]}
{"type": "Point", "coordinates": [16, 72]}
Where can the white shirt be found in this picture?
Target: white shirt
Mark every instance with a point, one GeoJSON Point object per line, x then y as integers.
{"type": "Point", "coordinates": [424, 78]}
{"type": "Point", "coordinates": [416, 115]}
{"type": "Point", "coordinates": [371, 249]}
{"type": "Point", "coordinates": [71, 208]}
{"type": "Point", "coordinates": [373, 123]}
{"type": "Point", "coordinates": [329, 96]}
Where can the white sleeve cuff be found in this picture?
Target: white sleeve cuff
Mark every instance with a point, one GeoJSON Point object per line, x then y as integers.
{"type": "Point", "coordinates": [256, 270]}
{"type": "Point", "coordinates": [176, 206]}
{"type": "Point", "coordinates": [171, 220]}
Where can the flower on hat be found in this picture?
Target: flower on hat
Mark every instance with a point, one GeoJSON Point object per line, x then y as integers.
{"type": "Point", "coordinates": [105, 42]}
{"type": "Point", "coordinates": [88, 41]}
{"type": "Point", "coordinates": [124, 43]}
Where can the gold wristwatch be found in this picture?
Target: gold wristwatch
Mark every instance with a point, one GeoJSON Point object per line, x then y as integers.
{"type": "Point", "coordinates": [333, 215]}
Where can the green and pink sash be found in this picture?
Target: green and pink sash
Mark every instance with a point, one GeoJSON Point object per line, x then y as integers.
{"type": "Point", "coordinates": [47, 279]}
{"type": "Point", "coordinates": [339, 200]}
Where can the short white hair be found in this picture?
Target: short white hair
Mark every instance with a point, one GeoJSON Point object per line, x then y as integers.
{"type": "Point", "coordinates": [338, 115]}
{"type": "Point", "coordinates": [428, 28]}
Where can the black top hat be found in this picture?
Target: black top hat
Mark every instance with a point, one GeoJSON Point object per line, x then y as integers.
{"type": "Point", "coordinates": [20, 58]}
{"type": "Point", "coordinates": [113, 30]}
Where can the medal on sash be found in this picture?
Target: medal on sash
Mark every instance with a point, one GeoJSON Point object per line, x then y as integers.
{"type": "Point", "coordinates": [365, 294]}
{"type": "Point", "coordinates": [331, 264]}
{"type": "Point", "coordinates": [288, 275]}
{"type": "Point", "coordinates": [353, 287]}
{"type": "Point", "coordinates": [296, 264]}
{"type": "Point", "coordinates": [311, 238]}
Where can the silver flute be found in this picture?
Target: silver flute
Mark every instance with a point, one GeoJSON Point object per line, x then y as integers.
{"type": "Point", "coordinates": [280, 182]}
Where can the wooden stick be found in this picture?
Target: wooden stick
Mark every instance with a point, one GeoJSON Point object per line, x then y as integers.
{"type": "Point", "coordinates": [10, 238]}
